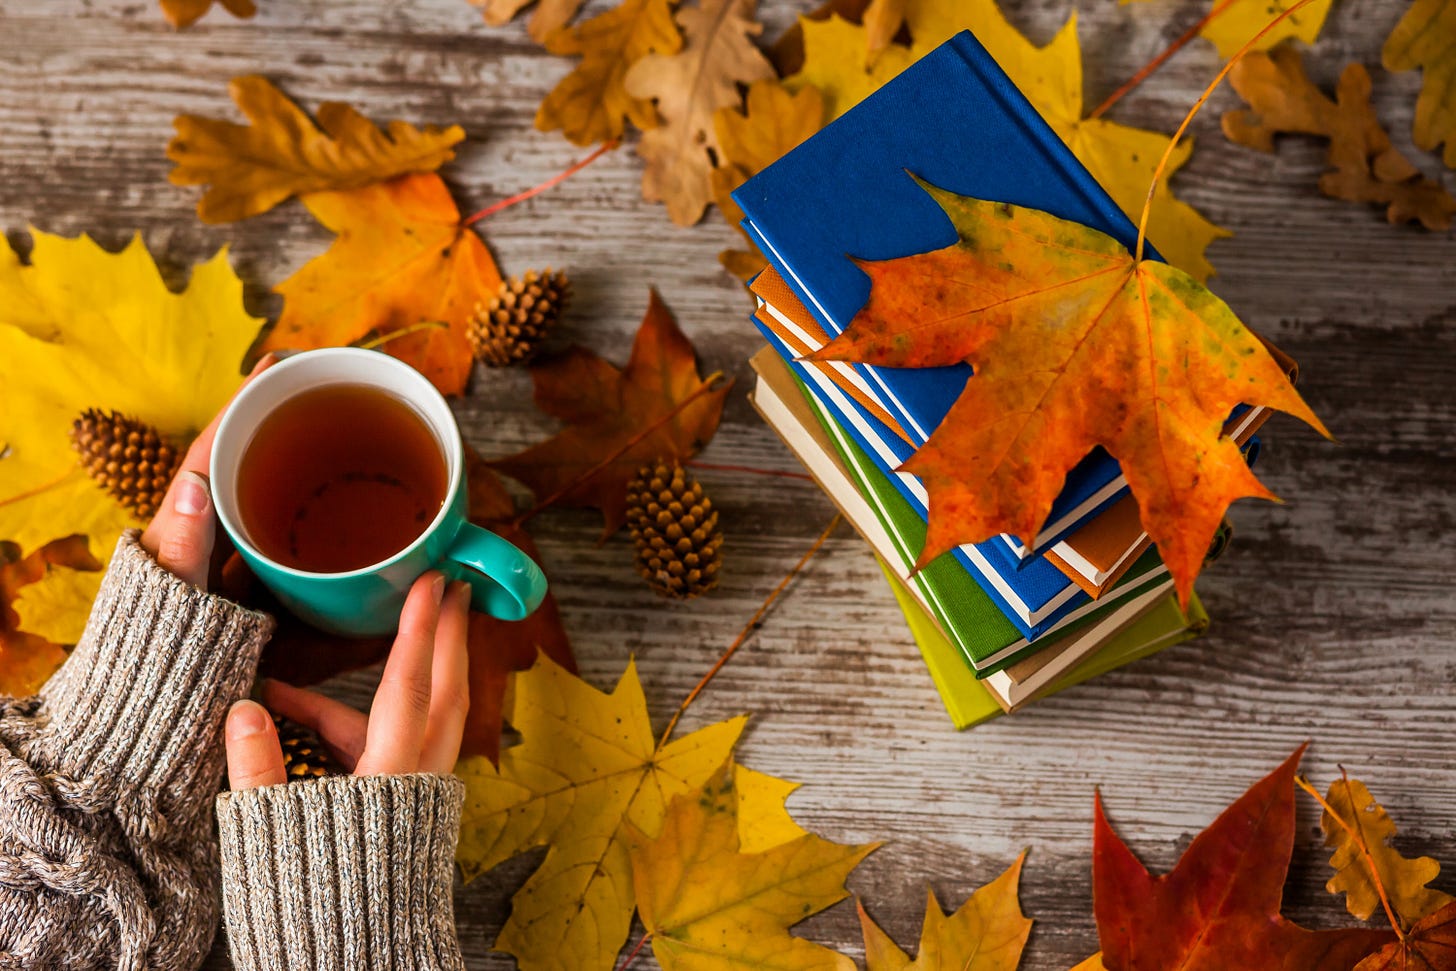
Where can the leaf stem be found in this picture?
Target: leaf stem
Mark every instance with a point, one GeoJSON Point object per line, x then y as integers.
{"type": "Point", "coordinates": [397, 333]}
{"type": "Point", "coordinates": [748, 629]}
{"type": "Point", "coordinates": [707, 386]}
{"type": "Point", "coordinates": [694, 463]}
{"type": "Point", "coordinates": [1359, 838]}
{"type": "Point", "coordinates": [627, 961]}
{"type": "Point", "coordinates": [552, 182]}
{"type": "Point", "coordinates": [45, 487]}
{"type": "Point", "coordinates": [1188, 118]}
{"type": "Point", "coordinates": [1147, 69]}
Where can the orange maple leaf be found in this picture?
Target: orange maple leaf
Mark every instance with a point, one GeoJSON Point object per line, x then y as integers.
{"type": "Point", "coordinates": [1076, 344]}
{"type": "Point", "coordinates": [404, 271]}
{"type": "Point", "coordinates": [182, 13]}
{"type": "Point", "coordinates": [611, 414]}
{"type": "Point", "coordinates": [27, 660]}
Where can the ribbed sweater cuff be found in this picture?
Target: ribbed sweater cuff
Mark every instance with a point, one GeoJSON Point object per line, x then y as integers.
{"type": "Point", "coordinates": [142, 698]}
{"type": "Point", "coordinates": [345, 872]}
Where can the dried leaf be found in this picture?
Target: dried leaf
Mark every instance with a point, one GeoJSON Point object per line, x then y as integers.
{"type": "Point", "coordinates": [252, 168]}
{"type": "Point", "coordinates": [787, 53]}
{"type": "Point", "coordinates": [1219, 907]}
{"type": "Point", "coordinates": [183, 13]}
{"type": "Point", "coordinates": [706, 903]}
{"type": "Point", "coordinates": [1093, 963]}
{"type": "Point", "coordinates": [1075, 345]}
{"type": "Point", "coordinates": [773, 121]}
{"type": "Point", "coordinates": [1121, 158]}
{"type": "Point", "coordinates": [882, 21]}
{"type": "Point", "coordinates": [1233, 27]}
{"type": "Point", "coordinates": [591, 104]}
{"type": "Point", "coordinates": [1430, 946]}
{"type": "Point", "coordinates": [763, 821]}
{"type": "Point", "coordinates": [688, 88]}
{"type": "Point", "coordinates": [1361, 832]}
{"type": "Point", "coordinates": [26, 658]}
{"type": "Point", "coordinates": [1364, 166]}
{"type": "Point", "coordinates": [548, 17]}
{"type": "Point", "coordinates": [586, 768]}
{"type": "Point", "coordinates": [499, 648]}
{"type": "Point", "coordinates": [1425, 38]}
{"type": "Point", "coordinates": [402, 257]}
{"type": "Point", "coordinates": [47, 608]}
{"type": "Point", "coordinates": [987, 933]}
{"type": "Point", "coordinates": [605, 408]}
{"type": "Point", "coordinates": [83, 328]}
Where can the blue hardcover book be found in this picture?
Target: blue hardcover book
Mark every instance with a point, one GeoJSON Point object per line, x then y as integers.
{"type": "Point", "coordinates": [954, 119]}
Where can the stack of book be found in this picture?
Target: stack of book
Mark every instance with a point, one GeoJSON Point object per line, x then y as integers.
{"type": "Point", "coordinates": [999, 623]}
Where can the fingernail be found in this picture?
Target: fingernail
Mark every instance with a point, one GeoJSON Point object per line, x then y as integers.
{"type": "Point", "coordinates": [460, 590]}
{"type": "Point", "coordinates": [192, 494]}
{"type": "Point", "coordinates": [246, 719]}
{"type": "Point", "coordinates": [437, 588]}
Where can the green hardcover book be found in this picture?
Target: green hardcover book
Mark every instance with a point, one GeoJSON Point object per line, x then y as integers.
{"type": "Point", "coordinates": [970, 618]}
{"type": "Point", "coordinates": [969, 702]}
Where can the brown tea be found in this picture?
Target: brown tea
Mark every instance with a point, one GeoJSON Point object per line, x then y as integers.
{"type": "Point", "coordinates": [338, 478]}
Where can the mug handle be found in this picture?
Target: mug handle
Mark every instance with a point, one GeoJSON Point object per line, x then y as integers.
{"type": "Point", "coordinates": [504, 581]}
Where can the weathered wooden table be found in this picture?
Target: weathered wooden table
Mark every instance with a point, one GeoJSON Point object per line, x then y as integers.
{"type": "Point", "coordinates": [1333, 614]}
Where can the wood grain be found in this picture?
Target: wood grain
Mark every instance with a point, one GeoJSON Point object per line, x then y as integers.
{"type": "Point", "coordinates": [1333, 613]}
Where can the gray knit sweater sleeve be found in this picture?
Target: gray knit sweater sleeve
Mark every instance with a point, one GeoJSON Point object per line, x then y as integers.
{"type": "Point", "coordinates": [342, 874]}
{"type": "Point", "coordinates": [107, 778]}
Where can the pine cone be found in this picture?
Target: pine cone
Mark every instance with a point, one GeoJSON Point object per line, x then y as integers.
{"type": "Point", "coordinates": [304, 756]}
{"type": "Point", "coordinates": [127, 457]}
{"type": "Point", "coordinates": [510, 328]}
{"type": "Point", "coordinates": [675, 529]}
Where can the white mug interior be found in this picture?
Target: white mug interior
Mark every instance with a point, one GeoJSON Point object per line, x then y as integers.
{"type": "Point", "coordinates": [307, 371]}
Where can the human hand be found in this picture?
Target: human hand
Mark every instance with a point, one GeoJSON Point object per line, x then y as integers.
{"type": "Point", "coordinates": [182, 533]}
{"type": "Point", "coordinates": [418, 715]}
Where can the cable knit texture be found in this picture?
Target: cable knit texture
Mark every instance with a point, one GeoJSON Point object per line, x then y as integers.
{"type": "Point", "coordinates": [107, 778]}
{"type": "Point", "coordinates": [342, 873]}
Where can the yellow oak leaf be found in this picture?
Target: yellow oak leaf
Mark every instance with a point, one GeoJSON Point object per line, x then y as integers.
{"type": "Point", "coordinates": [591, 104]}
{"type": "Point", "coordinates": [1233, 27]}
{"type": "Point", "coordinates": [707, 903]}
{"type": "Point", "coordinates": [1425, 38]}
{"type": "Point", "coordinates": [47, 608]}
{"type": "Point", "coordinates": [249, 169]}
{"type": "Point", "coordinates": [772, 121]}
{"type": "Point", "coordinates": [1360, 832]}
{"type": "Point", "coordinates": [688, 88]}
{"type": "Point", "coordinates": [587, 768]}
{"type": "Point", "coordinates": [548, 17]}
{"type": "Point", "coordinates": [83, 328]}
{"type": "Point", "coordinates": [1120, 157]}
{"type": "Point", "coordinates": [987, 933]}
{"type": "Point", "coordinates": [183, 13]}
{"type": "Point", "coordinates": [402, 258]}
{"type": "Point", "coordinates": [1075, 344]}
{"type": "Point", "coordinates": [882, 21]}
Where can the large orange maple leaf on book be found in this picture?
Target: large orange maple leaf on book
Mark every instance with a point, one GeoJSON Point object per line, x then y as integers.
{"type": "Point", "coordinates": [1076, 343]}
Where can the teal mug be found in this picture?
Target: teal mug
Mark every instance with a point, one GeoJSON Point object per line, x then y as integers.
{"type": "Point", "coordinates": [366, 602]}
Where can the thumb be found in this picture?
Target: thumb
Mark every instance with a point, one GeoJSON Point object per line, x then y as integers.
{"type": "Point", "coordinates": [254, 757]}
{"type": "Point", "coordinates": [184, 547]}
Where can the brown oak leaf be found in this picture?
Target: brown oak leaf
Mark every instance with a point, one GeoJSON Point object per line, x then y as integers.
{"type": "Point", "coordinates": [548, 17]}
{"type": "Point", "coordinates": [1364, 166]}
{"type": "Point", "coordinates": [1425, 38]}
{"type": "Point", "coordinates": [688, 88]}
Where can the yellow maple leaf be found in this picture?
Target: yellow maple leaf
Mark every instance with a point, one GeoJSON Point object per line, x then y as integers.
{"type": "Point", "coordinates": [83, 328]}
{"type": "Point", "coordinates": [1425, 38]}
{"type": "Point", "coordinates": [772, 121]}
{"type": "Point", "coordinates": [706, 902]}
{"type": "Point", "coordinates": [28, 659]}
{"type": "Point", "coordinates": [688, 88]}
{"type": "Point", "coordinates": [402, 258]}
{"type": "Point", "coordinates": [548, 17]}
{"type": "Point", "coordinates": [591, 104]}
{"type": "Point", "coordinates": [587, 768]}
{"type": "Point", "coordinates": [1093, 963]}
{"type": "Point", "coordinates": [48, 607]}
{"type": "Point", "coordinates": [1360, 831]}
{"type": "Point", "coordinates": [987, 933]}
{"type": "Point", "coordinates": [252, 168]}
{"type": "Point", "coordinates": [1120, 157]}
{"type": "Point", "coordinates": [182, 13]}
{"type": "Point", "coordinates": [1233, 27]}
